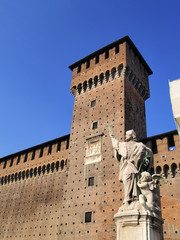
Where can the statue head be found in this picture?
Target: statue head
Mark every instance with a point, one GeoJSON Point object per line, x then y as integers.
{"type": "Point", "coordinates": [146, 177]}
{"type": "Point", "coordinates": [130, 135]}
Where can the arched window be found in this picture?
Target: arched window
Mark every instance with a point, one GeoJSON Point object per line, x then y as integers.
{"type": "Point", "coordinates": [158, 169]}
{"type": "Point", "coordinates": [101, 78]}
{"type": "Point", "coordinates": [107, 75]}
{"type": "Point", "coordinates": [27, 173]}
{"type": "Point", "coordinates": [50, 149]}
{"type": "Point", "coordinates": [2, 180]}
{"type": "Point", "coordinates": [19, 176]}
{"type": "Point", "coordinates": [57, 165]}
{"type": "Point", "coordinates": [43, 169]}
{"type": "Point", "coordinates": [52, 167]}
{"type": "Point", "coordinates": [113, 72]}
{"type": "Point", "coordinates": [35, 171]}
{"type": "Point", "coordinates": [39, 170]}
{"type": "Point", "coordinates": [9, 178]}
{"type": "Point", "coordinates": [12, 177]}
{"type": "Point", "coordinates": [120, 68]}
{"type": "Point", "coordinates": [85, 86]}
{"type": "Point", "coordinates": [173, 169]}
{"type": "Point", "coordinates": [166, 169]}
{"type": "Point", "coordinates": [48, 168]}
{"type": "Point", "coordinates": [62, 164]}
{"type": "Point", "coordinates": [90, 83]}
{"type": "Point", "coordinates": [95, 81]}
{"type": "Point", "coordinates": [73, 90]}
{"type": "Point", "coordinates": [31, 172]}
{"type": "Point", "coordinates": [16, 176]}
{"type": "Point", "coordinates": [23, 174]}
{"type": "Point", "coordinates": [5, 179]}
{"type": "Point", "coordinates": [79, 88]}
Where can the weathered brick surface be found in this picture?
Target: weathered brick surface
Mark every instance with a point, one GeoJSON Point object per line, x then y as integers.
{"type": "Point", "coordinates": [46, 197]}
{"type": "Point", "coordinates": [167, 163]}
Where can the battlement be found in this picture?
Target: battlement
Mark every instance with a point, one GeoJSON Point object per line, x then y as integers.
{"type": "Point", "coordinates": [33, 157]}
{"type": "Point", "coordinates": [105, 59]}
{"type": "Point", "coordinates": [166, 149]}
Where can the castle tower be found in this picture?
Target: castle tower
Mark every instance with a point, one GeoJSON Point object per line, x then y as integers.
{"type": "Point", "coordinates": [111, 85]}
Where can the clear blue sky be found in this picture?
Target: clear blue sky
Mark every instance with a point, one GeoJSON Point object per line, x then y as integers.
{"type": "Point", "coordinates": [39, 39]}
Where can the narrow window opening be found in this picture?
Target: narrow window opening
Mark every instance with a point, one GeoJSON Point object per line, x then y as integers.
{"type": "Point", "coordinates": [107, 75]}
{"type": "Point", "coordinates": [41, 152]}
{"type": "Point", "coordinates": [173, 169]}
{"type": "Point", "coordinates": [101, 78]}
{"type": "Point", "coordinates": [11, 163]}
{"type": "Point", "coordinates": [9, 178]}
{"type": "Point", "coordinates": [95, 125]}
{"type": "Point", "coordinates": [117, 49]}
{"type": "Point", "coordinates": [154, 146]}
{"type": "Point", "coordinates": [19, 176]}
{"type": "Point", "coordinates": [171, 143]}
{"type": "Point", "coordinates": [62, 164]}
{"type": "Point", "coordinates": [158, 169]}
{"type": "Point", "coordinates": [33, 155]}
{"type": "Point", "coordinates": [93, 103]}
{"type": "Point", "coordinates": [48, 168]}
{"type": "Point", "coordinates": [97, 59]}
{"type": "Point", "coordinates": [52, 167]}
{"type": "Point", "coordinates": [12, 177]}
{"type": "Point", "coordinates": [43, 169]}
{"type": "Point", "coordinates": [88, 217]}
{"type": "Point", "coordinates": [25, 157]}
{"type": "Point", "coordinates": [106, 54]}
{"type": "Point", "coordinates": [85, 86]}
{"type": "Point", "coordinates": [79, 69]}
{"type": "Point", "coordinates": [31, 172]}
{"type": "Point", "coordinates": [113, 72]}
{"type": "Point", "coordinates": [59, 147]}
{"type": "Point", "coordinates": [95, 81]}
{"type": "Point", "coordinates": [27, 173]}
{"type": "Point", "coordinates": [35, 171]}
{"type": "Point", "coordinates": [91, 181]}
{"type": "Point", "coordinates": [39, 170]}
{"type": "Point", "coordinates": [18, 160]}
{"type": "Point", "coordinates": [23, 174]}
{"type": "Point", "coordinates": [67, 143]}
{"type": "Point", "coordinates": [166, 169]}
{"type": "Point", "coordinates": [50, 149]}
{"type": "Point", "coordinates": [90, 83]}
{"type": "Point", "coordinates": [88, 64]}
{"type": "Point", "coordinates": [57, 165]}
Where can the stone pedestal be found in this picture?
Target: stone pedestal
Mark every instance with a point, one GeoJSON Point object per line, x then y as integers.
{"type": "Point", "coordinates": [138, 225]}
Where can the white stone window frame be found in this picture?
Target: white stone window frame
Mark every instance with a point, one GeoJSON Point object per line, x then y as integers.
{"type": "Point", "coordinates": [97, 155]}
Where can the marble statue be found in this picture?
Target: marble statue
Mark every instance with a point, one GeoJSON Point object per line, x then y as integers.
{"type": "Point", "coordinates": [133, 157]}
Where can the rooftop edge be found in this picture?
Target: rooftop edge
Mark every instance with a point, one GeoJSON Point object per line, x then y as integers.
{"type": "Point", "coordinates": [113, 44]}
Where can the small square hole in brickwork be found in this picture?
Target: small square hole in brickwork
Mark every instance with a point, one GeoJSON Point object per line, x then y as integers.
{"type": "Point", "coordinates": [95, 125]}
{"type": "Point", "coordinates": [91, 181]}
{"type": "Point", "coordinates": [93, 103]}
{"type": "Point", "coordinates": [88, 217]}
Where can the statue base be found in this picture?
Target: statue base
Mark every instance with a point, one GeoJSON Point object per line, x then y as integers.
{"type": "Point", "coordinates": [138, 225]}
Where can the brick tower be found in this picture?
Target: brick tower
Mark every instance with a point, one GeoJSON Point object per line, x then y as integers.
{"type": "Point", "coordinates": [111, 85]}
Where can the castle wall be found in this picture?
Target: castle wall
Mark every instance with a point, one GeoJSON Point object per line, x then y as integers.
{"type": "Point", "coordinates": [31, 191]}
{"type": "Point", "coordinates": [31, 208]}
{"type": "Point", "coordinates": [166, 148]}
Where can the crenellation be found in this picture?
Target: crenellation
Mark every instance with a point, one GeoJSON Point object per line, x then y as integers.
{"type": "Point", "coordinates": [97, 81]}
